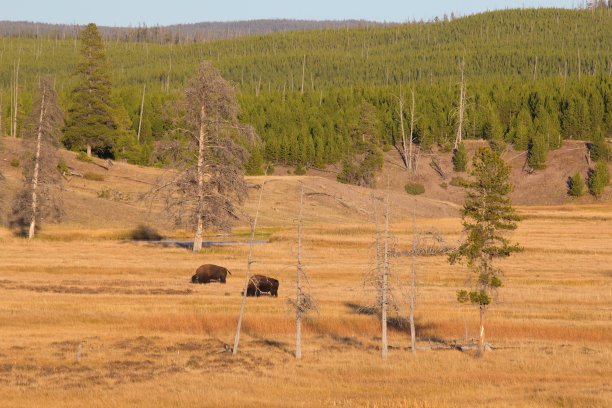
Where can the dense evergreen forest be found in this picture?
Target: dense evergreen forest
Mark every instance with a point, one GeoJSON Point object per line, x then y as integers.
{"type": "Point", "coordinates": [533, 77]}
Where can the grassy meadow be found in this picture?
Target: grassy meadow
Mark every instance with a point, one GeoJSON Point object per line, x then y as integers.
{"type": "Point", "coordinates": [150, 338]}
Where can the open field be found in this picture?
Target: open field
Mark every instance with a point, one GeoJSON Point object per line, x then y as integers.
{"type": "Point", "coordinates": [150, 338]}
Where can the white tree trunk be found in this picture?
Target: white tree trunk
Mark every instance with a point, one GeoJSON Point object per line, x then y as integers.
{"type": "Point", "coordinates": [412, 283]}
{"type": "Point", "coordinates": [16, 98]}
{"type": "Point", "coordinates": [248, 270]}
{"type": "Point", "coordinates": [303, 71]}
{"type": "Point", "coordinates": [298, 312]}
{"type": "Point", "coordinates": [404, 145]}
{"type": "Point", "coordinates": [36, 167]}
{"type": "Point", "coordinates": [144, 88]}
{"type": "Point", "coordinates": [197, 240]}
{"type": "Point", "coordinates": [384, 282]}
{"type": "Point", "coordinates": [461, 108]}
{"type": "Point", "coordinates": [481, 335]}
{"type": "Point", "coordinates": [410, 168]}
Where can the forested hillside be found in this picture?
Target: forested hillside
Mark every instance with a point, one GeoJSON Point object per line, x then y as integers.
{"type": "Point", "coordinates": [533, 77]}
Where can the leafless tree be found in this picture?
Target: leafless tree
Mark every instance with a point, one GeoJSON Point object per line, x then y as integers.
{"type": "Point", "coordinates": [461, 106]}
{"type": "Point", "coordinates": [303, 303]}
{"type": "Point", "coordinates": [206, 151]}
{"type": "Point", "coordinates": [248, 270]}
{"type": "Point", "coordinates": [40, 196]}
{"type": "Point", "coordinates": [381, 278]}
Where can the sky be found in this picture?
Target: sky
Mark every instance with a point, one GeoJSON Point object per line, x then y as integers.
{"type": "Point", "coordinates": [164, 12]}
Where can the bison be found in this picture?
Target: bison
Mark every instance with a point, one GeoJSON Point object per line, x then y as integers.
{"type": "Point", "coordinates": [259, 284]}
{"type": "Point", "coordinates": [209, 272]}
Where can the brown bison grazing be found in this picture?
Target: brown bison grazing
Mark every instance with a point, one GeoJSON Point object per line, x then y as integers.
{"type": "Point", "coordinates": [259, 284]}
{"type": "Point", "coordinates": [209, 272]}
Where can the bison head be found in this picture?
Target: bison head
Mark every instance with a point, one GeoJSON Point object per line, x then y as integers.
{"type": "Point", "coordinates": [195, 278]}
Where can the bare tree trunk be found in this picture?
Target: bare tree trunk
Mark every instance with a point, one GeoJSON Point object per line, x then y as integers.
{"type": "Point", "coordinates": [384, 282]}
{"type": "Point", "coordinates": [197, 240]}
{"type": "Point", "coordinates": [461, 97]}
{"type": "Point", "coordinates": [88, 150]}
{"type": "Point", "coordinates": [246, 278]}
{"type": "Point", "coordinates": [36, 167]}
{"type": "Point", "coordinates": [481, 336]}
{"type": "Point", "coordinates": [412, 283]}
{"type": "Point", "coordinates": [144, 88]}
{"type": "Point", "coordinates": [303, 70]}
{"type": "Point", "coordinates": [410, 167]}
{"type": "Point", "coordinates": [16, 98]}
{"type": "Point", "coordinates": [404, 147]}
{"type": "Point", "coordinates": [298, 312]}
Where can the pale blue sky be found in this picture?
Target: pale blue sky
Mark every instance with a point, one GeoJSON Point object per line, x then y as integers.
{"type": "Point", "coordinates": [164, 12]}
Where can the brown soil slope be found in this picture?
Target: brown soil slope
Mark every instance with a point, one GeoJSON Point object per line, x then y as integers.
{"type": "Point", "coordinates": [113, 203]}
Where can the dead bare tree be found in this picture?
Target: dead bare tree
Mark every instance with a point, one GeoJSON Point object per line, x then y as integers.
{"type": "Point", "coordinates": [382, 280]}
{"type": "Point", "coordinates": [206, 150]}
{"type": "Point", "coordinates": [413, 282]}
{"type": "Point", "coordinates": [144, 88]}
{"type": "Point", "coordinates": [15, 109]}
{"type": "Point", "coordinates": [248, 270]}
{"type": "Point", "coordinates": [298, 298]}
{"type": "Point", "coordinates": [461, 106]}
{"type": "Point", "coordinates": [41, 133]}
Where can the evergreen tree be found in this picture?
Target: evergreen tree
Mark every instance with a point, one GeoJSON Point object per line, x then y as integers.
{"type": "Point", "coordinates": [90, 124]}
{"type": "Point", "coordinates": [460, 158]}
{"type": "Point", "coordinates": [599, 178]}
{"type": "Point", "coordinates": [599, 149]}
{"type": "Point", "coordinates": [254, 166]}
{"type": "Point", "coordinates": [487, 213]}
{"type": "Point", "coordinates": [538, 150]}
{"type": "Point", "coordinates": [576, 185]}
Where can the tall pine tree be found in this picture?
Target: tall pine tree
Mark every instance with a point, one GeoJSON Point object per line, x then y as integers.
{"type": "Point", "coordinates": [487, 213]}
{"type": "Point", "coordinates": [90, 124]}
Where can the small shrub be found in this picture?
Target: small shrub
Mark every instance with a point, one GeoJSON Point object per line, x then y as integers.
{"type": "Point", "coordinates": [145, 233]}
{"type": "Point", "coordinates": [460, 182]}
{"type": "Point", "coordinates": [62, 167]}
{"type": "Point", "coordinates": [576, 185]}
{"type": "Point", "coordinates": [270, 168]}
{"type": "Point", "coordinates": [414, 188]}
{"type": "Point", "coordinates": [444, 185]}
{"type": "Point", "coordinates": [387, 147]}
{"type": "Point", "coordinates": [15, 162]}
{"type": "Point", "coordinates": [82, 156]}
{"type": "Point", "coordinates": [299, 170]}
{"type": "Point", "coordinates": [104, 194]}
{"type": "Point", "coordinates": [446, 148]}
{"type": "Point", "coordinates": [93, 176]}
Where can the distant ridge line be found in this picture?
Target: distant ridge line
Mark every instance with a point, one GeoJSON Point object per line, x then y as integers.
{"type": "Point", "coordinates": [201, 31]}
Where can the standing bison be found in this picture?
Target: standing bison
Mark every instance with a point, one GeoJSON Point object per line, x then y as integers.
{"type": "Point", "coordinates": [259, 284]}
{"type": "Point", "coordinates": [209, 272]}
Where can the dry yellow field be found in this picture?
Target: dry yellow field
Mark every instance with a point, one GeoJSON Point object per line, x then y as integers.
{"type": "Point", "coordinates": [150, 338]}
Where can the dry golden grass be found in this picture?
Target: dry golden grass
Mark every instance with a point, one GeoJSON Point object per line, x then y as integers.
{"type": "Point", "coordinates": [150, 338]}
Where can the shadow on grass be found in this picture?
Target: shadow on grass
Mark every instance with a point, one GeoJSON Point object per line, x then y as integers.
{"type": "Point", "coordinates": [397, 323]}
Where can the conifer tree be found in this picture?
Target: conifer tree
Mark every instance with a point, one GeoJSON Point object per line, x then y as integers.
{"type": "Point", "coordinates": [538, 151]}
{"type": "Point", "coordinates": [599, 178]}
{"type": "Point", "coordinates": [460, 158]}
{"type": "Point", "coordinates": [576, 185]}
{"type": "Point", "coordinates": [90, 124]}
{"type": "Point", "coordinates": [487, 213]}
